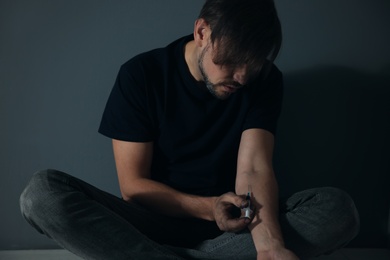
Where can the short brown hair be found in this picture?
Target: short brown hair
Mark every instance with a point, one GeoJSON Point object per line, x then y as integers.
{"type": "Point", "coordinates": [245, 31]}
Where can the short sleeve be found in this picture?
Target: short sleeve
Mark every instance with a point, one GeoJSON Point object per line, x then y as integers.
{"type": "Point", "coordinates": [266, 103]}
{"type": "Point", "coordinates": [126, 115]}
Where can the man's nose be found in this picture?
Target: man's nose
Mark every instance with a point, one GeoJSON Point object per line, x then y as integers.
{"type": "Point", "coordinates": [240, 75]}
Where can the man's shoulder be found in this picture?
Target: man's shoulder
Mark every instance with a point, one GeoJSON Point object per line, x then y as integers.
{"type": "Point", "coordinates": [270, 71]}
{"type": "Point", "coordinates": [158, 57]}
{"type": "Point", "coordinates": [152, 58]}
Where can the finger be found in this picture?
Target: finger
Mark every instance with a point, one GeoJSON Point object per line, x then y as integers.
{"type": "Point", "coordinates": [244, 204]}
{"type": "Point", "coordinates": [238, 201]}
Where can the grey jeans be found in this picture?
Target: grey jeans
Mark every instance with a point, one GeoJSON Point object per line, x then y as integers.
{"type": "Point", "coordinates": [94, 224]}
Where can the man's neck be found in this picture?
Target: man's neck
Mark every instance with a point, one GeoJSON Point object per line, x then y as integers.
{"type": "Point", "coordinates": [190, 55]}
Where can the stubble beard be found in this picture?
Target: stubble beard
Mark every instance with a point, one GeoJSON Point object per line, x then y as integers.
{"type": "Point", "coordinates": [210, 86]}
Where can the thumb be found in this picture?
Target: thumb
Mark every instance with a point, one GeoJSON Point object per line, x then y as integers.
{"type": "Point", "coordinates": [239, 201]}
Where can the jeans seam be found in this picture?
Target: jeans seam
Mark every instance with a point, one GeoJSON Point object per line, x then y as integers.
{"type": "Point", "coordinates": [314, 201]}
{"type": "Point", "coordinates": [222, 243]}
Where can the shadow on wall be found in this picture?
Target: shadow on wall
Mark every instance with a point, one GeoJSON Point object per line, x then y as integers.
{"type": "Point", "coordinates": [334, 130]}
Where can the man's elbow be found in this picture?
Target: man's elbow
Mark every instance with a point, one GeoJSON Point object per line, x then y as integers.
{"type": "Point", "coordinates": [126, 198]}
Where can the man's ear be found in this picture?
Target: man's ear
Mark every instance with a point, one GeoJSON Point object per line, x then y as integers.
{"type": "Point", "coordinates": [201, 32]}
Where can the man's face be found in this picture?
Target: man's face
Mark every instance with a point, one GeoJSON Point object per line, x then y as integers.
{"type": "Point", "coordinates": [221, 81]}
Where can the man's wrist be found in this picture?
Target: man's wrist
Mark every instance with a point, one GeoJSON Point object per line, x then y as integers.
{"type": "Point", "coordinates": [212, 201]}
{"type": "Point", "coordinates": [204, 208]}
{"type": "Point", "coordinates": [267, 237]}
{"type": "Point", "coordinates": [269, 245]}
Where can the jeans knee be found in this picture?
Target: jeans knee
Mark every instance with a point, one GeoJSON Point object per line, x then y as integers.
{"type": "Point", "coordinates": [344, 211]}
{"type": "Point", "coordinates": [35, 193]}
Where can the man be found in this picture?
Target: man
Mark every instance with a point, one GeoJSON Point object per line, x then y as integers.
{"type": "Point", "coordinates": [193, 129]}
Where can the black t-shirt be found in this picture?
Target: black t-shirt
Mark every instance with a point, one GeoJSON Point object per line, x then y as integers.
{"type": "Point", "coordinates": [196, 136]}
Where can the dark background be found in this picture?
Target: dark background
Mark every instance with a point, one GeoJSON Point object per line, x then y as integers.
{"type": "Point", "coordinates": [59, 59]}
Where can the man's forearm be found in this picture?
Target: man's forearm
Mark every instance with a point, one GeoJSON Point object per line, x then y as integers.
{"type": "Point", "coordinates": [163, 199]}
{"type": "Point", "coordinates": [265, 227]}
{"type": "Point", "coordinates": [133, 162]}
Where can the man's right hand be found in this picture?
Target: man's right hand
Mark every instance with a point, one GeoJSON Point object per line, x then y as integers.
{"type": "Point", "coordinates": [224, 206]}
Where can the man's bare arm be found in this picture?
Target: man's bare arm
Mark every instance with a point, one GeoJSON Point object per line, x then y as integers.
{"type": "Point", "coordinates": [254, 170]}
{"type": "Point", "coordinates": [133, 163]}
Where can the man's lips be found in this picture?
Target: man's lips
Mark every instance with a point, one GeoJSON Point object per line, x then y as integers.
{"type": "Point", "coordinates": [230, 88]}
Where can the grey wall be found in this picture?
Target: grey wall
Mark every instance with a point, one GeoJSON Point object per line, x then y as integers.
{"type": "Point", "coordinates": [59, 59]}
